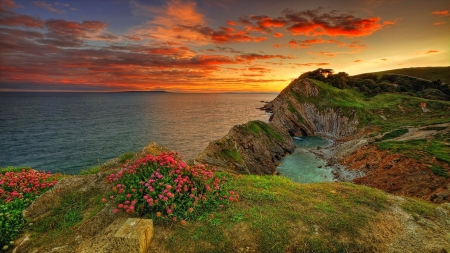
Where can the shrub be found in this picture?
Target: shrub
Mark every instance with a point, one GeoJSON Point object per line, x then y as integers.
{"type": "Point", "coordinates": [17, 192]}
{"type": "Point", "coordinates": [164, 186]}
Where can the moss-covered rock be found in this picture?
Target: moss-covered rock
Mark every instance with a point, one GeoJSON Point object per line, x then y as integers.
{"type": "Point", "coordinates": [252, 148]}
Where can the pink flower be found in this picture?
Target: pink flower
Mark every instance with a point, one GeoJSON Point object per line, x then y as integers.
{"type": "Point", "coordinates": [115, 210]}
{"type": "Point", "coordinates": [128, 195]}
{"type": "Point", "coordinates": [169, 210]}
{"type": "Point", "coordinates": [104, 200]}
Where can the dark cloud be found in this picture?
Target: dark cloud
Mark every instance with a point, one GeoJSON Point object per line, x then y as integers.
{"type": "Point", "coordinates": [222, 36]}
{"type": "Point", "coordinates": [9, 18]}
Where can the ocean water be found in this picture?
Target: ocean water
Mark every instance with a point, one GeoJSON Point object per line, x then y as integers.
{"type": "Point", "coordinates": [68, 132]}
{"type": "Point", "coordinates": [304, 167]}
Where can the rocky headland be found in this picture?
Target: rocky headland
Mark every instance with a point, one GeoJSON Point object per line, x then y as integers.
{"type": "Point", "coordinates": [252, 148]}
{"type": "Point", "coordinates": [355, 123]}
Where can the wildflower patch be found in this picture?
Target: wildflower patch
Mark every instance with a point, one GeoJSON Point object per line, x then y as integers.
{"type": "Point", "coordinates": [164, 186]}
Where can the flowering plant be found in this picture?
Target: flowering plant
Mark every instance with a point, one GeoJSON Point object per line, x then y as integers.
{"type": "Point", "coordinates": [18, 189]}
{"type": "Point", "coordinates": [164, 185]}
{"type": "Point", "coordinates": [29, 182]}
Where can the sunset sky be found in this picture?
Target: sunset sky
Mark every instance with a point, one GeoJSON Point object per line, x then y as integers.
{"type": "Point", "coordinates": [211, 45]}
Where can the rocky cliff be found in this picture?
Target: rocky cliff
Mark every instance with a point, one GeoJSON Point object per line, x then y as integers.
{"type": "Point", "coordinates": [298, 110]}
{"type": "Point", "coordinates": [252, 148]}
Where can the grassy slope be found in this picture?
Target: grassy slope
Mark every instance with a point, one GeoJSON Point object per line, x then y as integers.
{"type": "Point", "coordinates": [277, 215]}
{"type": "Point", "coordinates": [274, 214]}
{"type": "Point", "coordinates": [429, 73]}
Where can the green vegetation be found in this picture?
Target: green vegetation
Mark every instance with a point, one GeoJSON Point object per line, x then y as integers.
{"type": "Point", "coordinates": [393, 134]}
{"type": "Point", "coordinates": [19, 187]}
{"type": "Point", "coordinates": [256, 126]}
{"type": "Point", "coordinates": [438, 170]}
{"type": "Point", "coordinates": [372, 84]}
{"type": "Point", "coordinates": [126, 157]}
{"type": "Point", "coordinates": [416, 206]}
{"type": "Point", "coordinates": [413, 148]}
{"type": "Point", "coordinates": [278, 215]}
{"type": "Point", "coordinates": [272, 214]}
{"type": "Point", "coordinates": [428, 73]}
{"type": "Point", "coordinates": [398, 109]}
{"type": "Point", "coordinates": [92, 170]}
{"type": "Point", "coordinates": [234, 154]}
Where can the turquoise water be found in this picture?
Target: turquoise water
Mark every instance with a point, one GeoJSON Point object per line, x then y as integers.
{"type": "Point", "coordinates": [304, 167]}
{"type": "Point", "coordinates": [69, 132]}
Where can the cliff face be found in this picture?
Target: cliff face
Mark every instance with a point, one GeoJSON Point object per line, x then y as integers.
{"type": "Point", "coordinates": [296, 110]}
{"type": "Point", "coordinates": [252, 148]}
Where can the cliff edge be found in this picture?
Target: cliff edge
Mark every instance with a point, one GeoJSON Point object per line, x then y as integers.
{"type": "Point", "coordinates": [252, 148]}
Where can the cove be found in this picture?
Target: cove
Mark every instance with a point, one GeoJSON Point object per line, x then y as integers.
{"type": "Point", "coordinates": [303, 166]}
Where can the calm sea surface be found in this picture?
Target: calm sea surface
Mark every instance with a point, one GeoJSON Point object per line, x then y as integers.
{"type": "Point", "coordinates": [68, 132]}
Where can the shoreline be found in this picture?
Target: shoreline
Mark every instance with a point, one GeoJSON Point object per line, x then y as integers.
{"type": "Point", "coordinates": [337, 150]}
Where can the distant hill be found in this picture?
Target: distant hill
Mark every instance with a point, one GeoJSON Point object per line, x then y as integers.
{"type": "Point", "coordinates": [428, 73]}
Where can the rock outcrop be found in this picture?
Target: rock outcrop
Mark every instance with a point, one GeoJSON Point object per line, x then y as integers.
{"type": "Point", "coordinates": [252, 148]}
{"type": "Point", "coordinates": [296, 110]}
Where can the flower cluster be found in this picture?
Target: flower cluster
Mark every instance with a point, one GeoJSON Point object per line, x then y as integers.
{"type": "Point", "coordinates": [18, 189]}
{"type": "Point", "coordinates": [164, 185]}
{"type": "Point", "coordinates": [27, 182]}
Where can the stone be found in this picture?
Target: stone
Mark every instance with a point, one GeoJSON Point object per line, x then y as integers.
{"type": "Point", "coordinates": [135, 235]}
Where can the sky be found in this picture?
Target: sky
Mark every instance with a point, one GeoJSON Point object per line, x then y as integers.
{"type": "Point", "coordinates": [211, 45]}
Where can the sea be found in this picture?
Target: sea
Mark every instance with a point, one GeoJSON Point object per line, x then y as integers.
{"type": "Point", "coordinates": [70, 132]}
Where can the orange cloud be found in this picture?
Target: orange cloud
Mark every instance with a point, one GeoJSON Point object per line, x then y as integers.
{"type": "Point", "coordinates": [164, 19]}
{"type": "Point", "coordinates": [312, 23]}
{"type": "Point", "coordinates": [259, 69]}
{"type": "Point", "coordinates": [326, 54]}
{"type": "Point", "coordinates": [231, 23]}
{"type": "Point", "coordinates": [357, 61]}
{"type": "Point", "coordinates": [357, 46]}
{"type": "Point", "coordinates": [222, 36]}
{"type": "Point", "coordinates": [277, 35]}
{"type": "Point", "coordinates": [442, 13]}
{"type": "Point", "coordinates": [438, 23]}
{"type": "Point", "coordinates": [277, 46]}
{"type": "Point", "coordinates": [309, 43]}
{"type": "Point", "coordinates": [265, 23]}
{"type": "Point", "coordinates": [309, 64]}
{"type": "Point", "coordinates": [384, 59]}
{"type": "Point", "coordinates": [431, 51]}
{"type": "Point", "coordinates": [252, 56]}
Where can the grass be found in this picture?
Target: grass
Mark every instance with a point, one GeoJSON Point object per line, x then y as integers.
{"type": "Point", "coordinates": [273, 214]}
{"type": "Point", "coordinates": [393, 134]}
{"type": "Point", "coordinates": [278, 215]}
{"type": "Point", "coordinates": [428, 73]}
{"type": "Point", "coordinates": [14, 169]}
{"type": "Point", "coordinates": [369, 109]}
{"type": "Point", "coordinates": [69, 212]}
{"type": "Point", "coordinates": [92, 170]}
{"type": "Point", "coordinates": [438, 170]}
{"type": "Point", "coordinates": [126, 157]}
{"type": "Point", "coordinates": [435, 148]}
{"type": "Point", "coordinates": [233, 154]}
{"type": "Point", "coordinates": [256, 127]}
{"type": "Point", "coordinates": [415, 206]}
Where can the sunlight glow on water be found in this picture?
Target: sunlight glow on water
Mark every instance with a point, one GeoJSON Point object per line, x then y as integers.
{"type": "Point", "coordinates": [303, 166]}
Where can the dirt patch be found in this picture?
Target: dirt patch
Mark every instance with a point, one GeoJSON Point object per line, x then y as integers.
{"type": "Point", "coordinates": [398, 174]}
